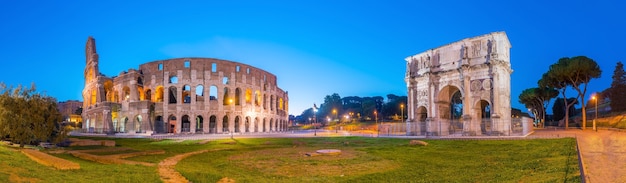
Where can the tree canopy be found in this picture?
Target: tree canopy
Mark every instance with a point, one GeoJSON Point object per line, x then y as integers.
{"type": "Point", "coordinates": [573, 72]}
{"type": "Point", "coordinates": [27, 116]}
{"type": "Point", "coordinates": [617, 92]}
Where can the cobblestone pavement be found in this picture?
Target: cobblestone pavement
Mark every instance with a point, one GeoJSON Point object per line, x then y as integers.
{"type": "Point", "coordinates": [603, 152]}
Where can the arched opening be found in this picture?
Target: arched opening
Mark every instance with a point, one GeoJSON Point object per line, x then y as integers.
{"type": "Point", "coordinates": [225, 125]}
{"type": "Point", "coordinates": [141, 93]}
{"type": "Point", "coordinates": [138, 120]}
{"type": "Point", "coordinates": [422, 114]}
{"type": "Point", "coordinates": [256, 124]}
{"type": "Point", "coordinates": [159, 125]}
{"type": "Point", "coordinates": [213, 92]}
{"type": "Point", "coordinates": [227, 100]}
{"type": "Point", "coordinates": [276, 127]}
{"type": "Point", "coordinates": [264, 127]}
{"type": "Point", "coordinates": [264, 101]}
{"type": "Point", "coordinates": [199, 123]}
{"type": "Point", "coordinates": [139, 81]}
{"type": "Point", "coordinates": [212, 124]}
{"type": "Point", "coordinates": [159, 94]}
{"type": "Point", "coordinates": [186, 94]}
{"type": "Point", "coordinates": [186, 124]}
{"type": "Point", "coordinates": [171, 127]}
{"type": "Point", "coordinates": [271, 124]}
{"type": "Point", "coordinates": [148, 95]}
{"type": "Point", "coordinates": [116, 125]}
{"type": "Point", "coordinates": [199, 93]}
{"type": "Point", "coordinates": [237, 96]}
{"type": "Point", "coordinates": [247, 124]}
{"type": "Point", "coordinates": [271, 102]}
{"type": "Point", "coordinates": [281, 104]}
{"type": "Point", "coordinates": [248, 96]}
{"type": "Point", "coordinates": [108, 91]}
{"type": "Point", "coordinates": [237, 125]}
{"type": "Point", "coordinates": [172, 95]}
{"type": "Point", "coordinates": [173, 79]}
{"type": "Point", "coordinates": [450, 110]}
{"type": "Point", "coordinates": [122, 127]}
{"type": "Point", "coordinates": [257, 98]}
{"type": "Point", "coordinates": [484, 114]}
{"type": "Point", "coordinates": [93, 97]}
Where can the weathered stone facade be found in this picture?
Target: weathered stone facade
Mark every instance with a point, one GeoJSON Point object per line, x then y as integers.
{"type": "Point", "coordinates": [182, 95]}
{"type": "Point", "coordinates": [478, 68]}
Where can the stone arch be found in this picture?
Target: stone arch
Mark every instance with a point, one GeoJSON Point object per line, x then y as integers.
{"type": "Point", "coordinates": [422, 114]}
{"type": "Point", "coordinates": [172, 95]}
{"type": "Point", "coordinates": [271, 124]}
{"type": "Point", "coordinates": [227, 100]}
{"type": "Point", "coordinates": [213, 92]}
{"type": "Point", "coordinates": [237, 96]}
{"type": "Point", "coordinates": [248, 96]}
{"type": "Point", "coordinates": [122, 127]}
{"type": "Point", "coordinates": [159, 124]}
{"type": "Point", "coordinates": [444, 101]}
{"type": "Point", "coordinates": [186, 94]}
{"type": "Point", "coordinates": [109, 93]}
{"type": "Point", "coordinates": [199, 93]}
{"type": "Point", "coordinates": [264, 125]}
{"type": "Point", "coordinates": [158, 95]}
{"type": "Point", "coordinates": [247, 124]}
{"type": "Point", "coordinates": [138, 121]}
{"type": "Point", "coordinates": [225, 127]}
{"type": "Point", "coordinates": [213, 124]}
{"type": "Point", "coordinates": [256, 125]}
{"type": "Point", "coordinates": [185, 124]}
{"type": "Point", "coordinates": [237, 124]}
{"type": "Point", "coordinates": [483, 116]}
{"type": "Point", "coordinates": [148, 95]}
{"type": "Point", "coordinates": [199, 123]}
{"type": "Point", "coordinates": [171, 124]}
{"type": "Point", "coordinates": [140, 93]}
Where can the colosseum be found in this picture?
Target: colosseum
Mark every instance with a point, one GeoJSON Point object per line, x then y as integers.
{"type": "Point", "coordinates": [182, 95]}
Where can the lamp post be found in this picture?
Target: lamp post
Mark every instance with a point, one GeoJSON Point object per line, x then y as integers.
{"type": "Point", "coordinates": [401, 112]}
{"type": "Point", "coordinates": [377, 127]}
{"type": "Point", "coordinates": [337, 123]}
{"type": "Point", "coordinates": [595, 118]}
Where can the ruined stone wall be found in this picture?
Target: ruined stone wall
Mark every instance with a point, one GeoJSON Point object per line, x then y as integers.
{"type": "Point", "coordinates": [187, 95]}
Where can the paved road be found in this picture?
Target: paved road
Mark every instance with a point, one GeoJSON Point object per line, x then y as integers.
{"type": "Point", "coordinates": [603, 152]}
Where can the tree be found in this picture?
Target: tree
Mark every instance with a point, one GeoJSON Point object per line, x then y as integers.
{"type": "Point", "coordinates": [558, 109]}
{"type": "Point", "coordinates": [27, 116]}
{"type": "Point", "coordinates": [538, 99]}
{"type": "Point", "coordinates": [575, 72]}
{"type": "Point", "coordinates": [618, 89]}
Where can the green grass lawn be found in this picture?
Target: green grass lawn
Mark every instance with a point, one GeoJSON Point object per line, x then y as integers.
{"type": "Point", "coordinates": [362, 160]}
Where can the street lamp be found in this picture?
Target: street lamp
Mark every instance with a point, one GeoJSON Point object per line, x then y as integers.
{"type": "Point", "coordinates": [377, 127]}
{"type": "Point", "coordinates": [595, 118]}
{"type": "Point", "coordinates": [337, 123]}
{"type": "Point", "coordinates": [401, 112]}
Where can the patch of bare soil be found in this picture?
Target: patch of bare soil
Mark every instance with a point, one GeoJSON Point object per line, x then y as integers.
{"type": "Point", "coordinates": [166, 170]}
{"type": "Point", "coordinates": [294, 162]}
{"type": "Point", "coordinates": [48, 160]}
{"type": "Point", "coordinates": [114, 158]}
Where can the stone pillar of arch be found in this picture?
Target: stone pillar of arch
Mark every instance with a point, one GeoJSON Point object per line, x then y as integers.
{"type": "Point", "coordinates": [134, 95]}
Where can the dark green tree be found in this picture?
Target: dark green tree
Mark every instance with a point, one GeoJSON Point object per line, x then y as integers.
{"type": "Point", "coordinates": [558, 109]}
{"type": "Point", "coordinates": [575, 72]}
{"type": "Point", "coordinates": [27, 116]}
{"type": "Point", "coordinates": [617, 92]}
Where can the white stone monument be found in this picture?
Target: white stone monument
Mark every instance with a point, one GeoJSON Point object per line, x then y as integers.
{"type": "Point", "coordinates": [478, 68]}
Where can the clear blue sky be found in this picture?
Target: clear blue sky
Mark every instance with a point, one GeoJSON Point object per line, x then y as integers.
{"type": "Point", "coordinates": [316, 48]}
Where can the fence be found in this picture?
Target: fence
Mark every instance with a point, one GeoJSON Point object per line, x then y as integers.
{"type": "Point", "coordinates": [485, 127]}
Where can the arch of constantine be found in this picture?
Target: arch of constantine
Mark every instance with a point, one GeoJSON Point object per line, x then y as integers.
{"type": "Point", "coordinates": [182, 95]}
{"type": "Point", "coordinates": [461, 88]}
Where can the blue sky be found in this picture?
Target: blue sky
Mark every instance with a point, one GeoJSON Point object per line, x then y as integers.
{"type": "Point", "coordinates": [316, 48]}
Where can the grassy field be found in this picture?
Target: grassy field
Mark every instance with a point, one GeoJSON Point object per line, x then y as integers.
{"type": "Point", "coordinates": [284, 160]}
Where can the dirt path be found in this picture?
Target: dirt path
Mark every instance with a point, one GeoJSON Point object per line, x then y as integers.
{"type": "Point", "coordinates": [166, 167]}
{"type": "Point", "coordinates": [603, 152]}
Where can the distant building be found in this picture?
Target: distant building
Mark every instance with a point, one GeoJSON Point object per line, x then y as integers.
{"type": "Point", "coordinates": [68, 110]}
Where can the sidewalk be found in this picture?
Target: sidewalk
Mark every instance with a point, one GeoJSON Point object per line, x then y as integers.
{"type": "Point", "coordinates": [603, 152]}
